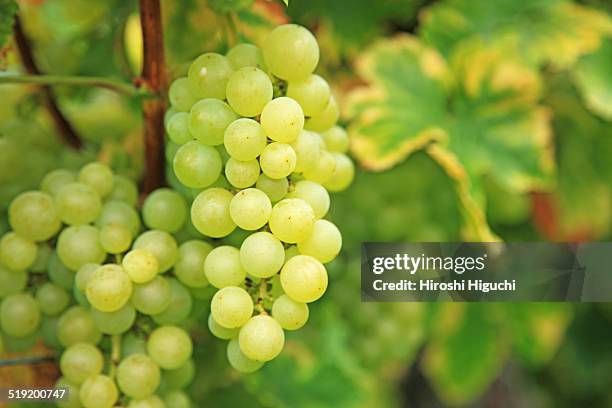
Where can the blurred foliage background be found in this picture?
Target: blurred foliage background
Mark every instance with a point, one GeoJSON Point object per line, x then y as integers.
{"type": "Point", "coordinates": [470, 120]}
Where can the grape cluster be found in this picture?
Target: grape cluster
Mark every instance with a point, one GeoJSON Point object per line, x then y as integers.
{"type": "Point", "coordinates": [254, 140]}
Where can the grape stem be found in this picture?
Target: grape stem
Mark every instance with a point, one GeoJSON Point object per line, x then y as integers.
{"type": "Point", "coordinates": [19, 361]}
{"type": "Point", "coordinates": [115, 357]}
{"type": "Point", "coordinates": [262, 295]}
{"type": "Point", "coordinates": [46, 80]}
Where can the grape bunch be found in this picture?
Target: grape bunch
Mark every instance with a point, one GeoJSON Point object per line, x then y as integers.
{"type": "Point", "coordinates": [254, 141]}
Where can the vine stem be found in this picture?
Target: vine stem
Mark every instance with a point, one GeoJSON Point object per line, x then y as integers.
{"type": "Point", "coordinates": [45, 80]}
{"type": "Point", "coordinates": [27, 360]}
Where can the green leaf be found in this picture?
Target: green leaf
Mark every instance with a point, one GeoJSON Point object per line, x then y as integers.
{"type": "Point", "coordinates": [593, 75]}
{"type": "Point", "coordinates": [8, 9]}
{"type": "Point", "coordinates": [229, 6]}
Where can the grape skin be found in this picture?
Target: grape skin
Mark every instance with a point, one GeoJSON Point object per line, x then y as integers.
{"type": "Point", "coordinates": [324, 243]}
{"type": "Point", "coordinates": [291, 315]}
{"type": "Point", "coordinates": [223, 268]}
{"type": "Point", "coordinates": [208, 76]}
{"type": "Point", "coordinates": [249, 89]}
{"type": "Point", "coordinates": [278, 160]}
{"type": "Point", "coordinates": [109, 288]}
{"type": "Point", "coordinates": [292, 220]}
{"type": "Point", "coordinates": [244, 139]}
{"type": "Point", "coordinates": [291, 52]}
{"type": "Point", "coordinates": [33, 215]}
{"type": "Point", "coordinates": [98, 391]}
{"type": "Point", "coordinates": [262, 254]}
{"type": "Point", "coordinates": [261, 338]}
{"type": "Point", "coordinates": [239, 360]}
{"type": "Point", "coordinates": [314, 194]}
{"type": "Point", "coordinates": [138, 376]}
{"type": "Point", "coordinates": [282, 119]}
{"type": "Point", "coordinates": [79, 361]}
{"type": "Point", "coordinates": [16, 252]}
{"type": "Point", "coordinates": [169, 346]}
{"type": "Point", "coordinates": [231, 307]}
{"type": "Point", "coordinates": [189, 268]}
{"type": "Point", "coordinates": [250, 209]}
{"type": "Point", "coordinates": [304, 278]}
{"type": "Point", "coordinates": [140, 265]}
{"type": "Point", "coordinates": [210, 212]}
{"type": "Point", "coordinates": [19, 315]}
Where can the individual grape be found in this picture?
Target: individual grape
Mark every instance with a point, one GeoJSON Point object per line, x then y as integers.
{"type": "Point", "coordinates": [116, 322]}
{"type": "Point", "coordinates": [17, 252]}
{"type": "Point", "coordinates": [72, 398]}
{"type": "Point", "coordinates": [324, 243]}
{"type": "Point", "coordinates": [249, 89]}
{"type": "Point", "coordinates": [291, 220]}
{"type": "Point", "coordinates": [245, 55]}
{"type": "Point", "coordinates": [250, 209]}
{"type": "Point", "coordinates": [223, 268]}
{"type": "Point", "coordinates": [43, 254]}
{"type": "Point", "coordinates": [262, 338]}
{"type": "Point", "coordinates": [76, 325]}
{"type": "Point", "coordinates": [282, 119]}
{"type": "Point", "coordinates": [275, 189]}
{"type": "Point", "coordinates": [197, 165]}
{"type": "Point", "coordinates": [48, 332]}
{"type": "Point", "coordinates": [152, 297]}
{"type": "Point", "coordinates": [164, 209]}
{"type": "Point", "coordinates": [324, 169]}
{"type": "Point", "coordinates": [180, 95]}
{"type": "Point", "coordinates": [241, 174]}
{"type": "Point", "coordinates": [98, 391]}
{"type": "Point", "coordinates": [132, 343]}
{"type": "Point", "coordinates": [11, 282]}
{"type": "Point", "coordinates": [83, 274]}
{"type": "Point", "coordinates": [77, 203]}
{"type": "Point", "coordinates": [231, 307]}
{"type": "Point", "coordinates": [177, 128]}
{"type": "Point", "coordinates": [178, 308]}
{"type": "Point", "coordinates": [124, 190]}
{"type": "Point", "coordinates": [19, 315]}
{"type": "Point", "coordinates": [119, 212]}
{"type": "Point", "coordinates": [291, 52]}
{"type": "Point", "coordinates": [304, 278]}
{"type": "Point", "coordinates": [33, 215]}
{"type": "Point", "coordinates": [239, 360]}
{"type": "Point", "coordinates": [208, 75]}
{"type": "Point", "coordinates": [55, 180]}
{"type": "Point", "coordinates": [80, 361]}
{"type": "Point", "coordinates": [140, 265]}
{"type": "Point", "coordinates": [162, 245]}
{"type": "Point", "coordinates": [108, 288]}
{"type": "Point", "coordinates": [244, 139]}
{"type": "Point", "coordinates": [291, 315]}
{"type": "Point", "coordinates": [51, 299]}
{"type": "Point", "coordinates": [219, 331]}
{"type": "Point", "coordinates": [278, 160]}
{"type": "Point", "coordinates": [189, 268]}
{"type": "Point", "coordinates": [78, 245]}
{"type": "Point", "coordinates": [208, 120]}
{"type": "Point", "coordinates": [312, 93]}
{"type": "Point", "coordinates": [152, 401]}
{"type": "Point", "coordinates": [59, 274]}
{"type": "Point", "coordinates": [115, 238]}
{"type": "Point", "coordinates": [98, 176]}
{"type": "Point", "coordinates": [326, 119]}
{"type": "Point", "coordinates": [177, 399]}
{"type": "Point", "coordinates": [336, 139]}
{"type": "Point", "coordinates": [262, 254]}
{"type": "Point", "coordinates": [342, 175]}
{"type": "Point", "coordinates": [138, 376]}
{"type": "Point", "coordinates": [210, 212]}
{"type": "Point", "coordinates": [20, 344]}
{"type": "Point", "coordinates": [170, 347]}
{"type": "Point", "coordinates": [180, 377]}
{"type": "Point", "coordinates": [314, 194]}
{"type": "Point", "coordinates": [307, 151]}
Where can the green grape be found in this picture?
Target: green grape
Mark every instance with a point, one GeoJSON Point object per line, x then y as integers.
{"type": "Point", "coordinates": [99, 176]}
{"type": "Point", "coordinates": [78, 245]}
{"type": "Point", "coordinates": [115, 238]}
{"type": "Point", "coordinates": [83, 274]}
{"type": "Point", "coordinates": [336, 139]}
{"type": "Point", "coordinates": [179, 307]}
{"type": "Point", "coordinates": [275, 189]}
{"type": "Point", "coordinates": [326, 119]}
{"type": "Point", "coordinates": [116, 322]}
{"type": "Point", "coordinates": [48, 332]}
{"type": "Point", "coordinates": [239, 361]}
{"type": "Point", "coordinates": [291, 52]}
{"type": "Point", "coordinates": [76, 325]}
{"type": "Point", "coordinates": [208, 120]}
{"type": "Point", "coordinates": [249, 89]}
{"type": "Point", "coordinates": [244, 139]}
{"type": "Point", "coordinates": [152, 297]}
{"type": "Point", "coordinates": [20, 344]}
{"type": "Point", "coordinates": [177, 128]}
{"type": "Point", "coordinates": [177, 399]}
{"type": "Point", "coordinates": [324, 243]}
{"type": "Point", "coordinates": [262, 254]}
{"type": "Point", "coordinates": [231, 307]}
{"type": "Point", "coordinates": [140, 265]}
{"type": "Point", "coordinates": [16, 252]}
{"type": "Point", "coordinates": [43, 254]}
{"type": "Point", "coordinates": [290, 252]}
{"type": "Point", "coordinates": [77, 203]}
{"type": "Point", "coordinates": [223, 267]}
{"type": "Point", "coordinates": [19, 315]}
{"type": "Point", "coordinates": [33, 215]}
{"type": "Point", "coordinates": [98, 391]}
{"type": "Point", "coordinates": [72, 397]}
{"type": "Point", "coordinates": [152, 401]}
{"type": "Point", "coordinates": [278, 160]}
{"type": "Point", "coordinates": [189, 268]}
{"type": "Point", "coordinates": [219, 331]}
{"type": "Point", "coordinates": [197, 165]}
{"type": "Point", "coordinates": [324, 169]}
{"type": "Point", "coordinates": [210, 212]}
{"type": "Point", "coordinates": [124, 190]}
{"type": "Point", "coordinates": [250, 209]}
{"type": "Point", "coordinates": [170, 347]}
{"type": "Point", "coordinates": [312, 93]}
{"type": "Point", "coordinates": [162, 245]}
{"type": "Point", "coordinates": [59, 274]}
{"type": "Point", "coordinates": [164, 209]}
{"type": "Point", "coordinates": [314, 194]}
{"type": "Point", "coordinates": [307, 151]}
{"type": "Point", "coordinates": [171, 149]}
{"type": "Point", "coordinates": [291, 220]}
{"type": "Point", "coordinates": [11, 282]}
{"type": "Point", "coordinates": [282, 119]}
{"type": "Point", "coordinates": [168, 114]}
{"type": "Point", "coordinates": [262, 338]}
{"type": "Point", "coordinates": [343, 173]}
{"type": "Point", "coordinates": [56, 179]}
{"type": "Point", "coordinates": [180, 95]}
{"type": "Point", "coordinates": [180, 377]}
{"type": "Point", "coordinates": [132, 343]}
{"type": "Point", "coordinates": [304, 278]}
{"type": "Point", "coordinates": [119, 212]}
{"type": "Point", "coordinates": [108, 288]}
{"type": "Point", "coordinates": [208, 75]}
{"type": "Point", "coordinates": [51, 299]}
{"type": "Point", "coordinates": [291, 315]}
{"type": "Point", "coordinates": [242, 174]}
{"type": "Point", "coordinates": [80, 297]}
{"type": "Point", "coordinates": [80, 361]}
{"type": "Point", "coordinates": [138, 376]}
{"type": "Point", "coordinates": [245, 55]}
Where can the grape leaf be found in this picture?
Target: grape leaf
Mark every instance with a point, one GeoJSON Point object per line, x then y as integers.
{"type": "Point", "coordinates": [8, 9]}
{"type": "Point", "coordinates": [555, 31]}
{"type": "Point", "coordinates": [593, 75]}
